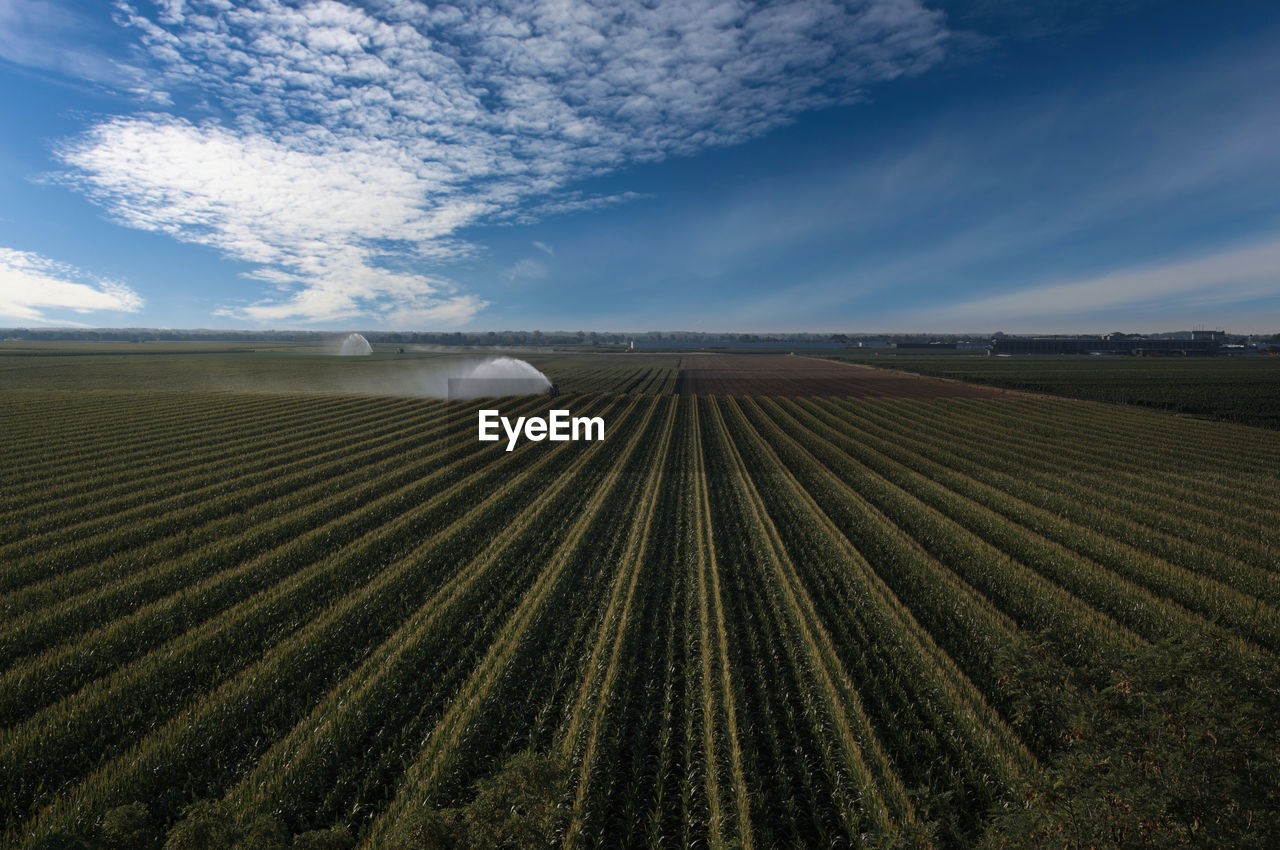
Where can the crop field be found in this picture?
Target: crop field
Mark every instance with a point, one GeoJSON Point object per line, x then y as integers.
{"type": "Point", "coordinates": [280, 368]}
{"type": "Point", "coordinates": [900, 612]}
{"type": "Point", "coordinates": [788, 375]}
{"type": "Point", "coordinates": [1238, 389]}
{"type": "Point", "coordinates": [649, 374]}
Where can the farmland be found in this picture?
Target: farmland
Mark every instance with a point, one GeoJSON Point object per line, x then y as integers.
{"type": "Point", "coordinates": [782, 604]}
{"type": "Point", "coordinates": [788, 375]}
{"type": "Point", "coordinates": [1237, 389]}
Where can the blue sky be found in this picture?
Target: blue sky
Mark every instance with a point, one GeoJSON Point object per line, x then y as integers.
{"type": "Point", "coordinates": [888, 165]}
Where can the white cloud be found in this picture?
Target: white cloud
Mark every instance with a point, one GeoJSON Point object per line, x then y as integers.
{"type": "Point", "coordinates": [545, 248]}
{"type": "Point", "coordinates": [574, 202]}
{"type": "Point", "coordinates": [31, 284]}
{"type": "Point", "coordinates": [1230, 276]}
{"type": "Point", "coordinates": [366, 137]}
{"type": "Point", "coordinates": [525, 270]}
{"type": "Point", "coordinates": [318, 222]}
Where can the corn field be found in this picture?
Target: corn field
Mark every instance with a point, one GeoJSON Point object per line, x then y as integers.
{"type": "Point", "coordinates": [738, 621]}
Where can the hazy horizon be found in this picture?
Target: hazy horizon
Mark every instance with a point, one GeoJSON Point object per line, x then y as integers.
{"type": "Point", "coordinates": [339, 331]}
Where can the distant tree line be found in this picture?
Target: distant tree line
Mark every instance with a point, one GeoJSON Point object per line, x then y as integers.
{"type": "Point", "coordinates": [507, 337]}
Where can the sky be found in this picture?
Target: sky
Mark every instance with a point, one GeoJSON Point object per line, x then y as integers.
{"type": "Point", "coordinates": [963, 166]}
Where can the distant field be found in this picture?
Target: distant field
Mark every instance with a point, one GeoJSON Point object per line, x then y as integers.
{"type": "Point", "coordinates": [1238, 389]}
{"type": "Point", "coordinates": [741, 620]}
{"type": "Point", "coordinates": [786, 375]}
{"type": "Point", "coordinates": [186, 367]}
{"type": "Point", "coordinates": [647, 374]}
{"type": "Point", "coordinates": [75, 348]}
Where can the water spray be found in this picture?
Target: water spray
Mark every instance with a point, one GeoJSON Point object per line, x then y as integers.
{"type": "Point", "coordinates": [354, 345]}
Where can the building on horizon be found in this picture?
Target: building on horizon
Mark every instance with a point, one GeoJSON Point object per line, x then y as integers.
{"type": "Point", "coordinates": [1201, 344]}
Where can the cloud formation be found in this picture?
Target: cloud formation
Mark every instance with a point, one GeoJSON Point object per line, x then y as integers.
{"type": "Point", "coordinates": [525, 269]}
{"type": "Point", "coordinates": [353, 142]}
{"type": "Point", "coordinates": [324, 225]}
{"type": "Point", "coordinates": [1231, 276]}
{"type": "Point", "coordinates": [31, 284]}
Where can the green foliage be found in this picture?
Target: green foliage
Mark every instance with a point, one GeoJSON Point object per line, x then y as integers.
{"type": "Point", "coordinates": [337, 838]}
{"type": "Point", "coordinates": [60, 840]}
{"type": "Point", "coordinates": [1181, 750]}
{"type": "Point", "coordinates": [211, 825]}
{"type": "Point", "coordinates": [524, 806]}
{"type": "Point", "coordinates": [129, 827]}
{"type": "Point", "coordinates": [205, 825]}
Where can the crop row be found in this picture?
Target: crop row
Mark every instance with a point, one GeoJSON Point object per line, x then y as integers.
{"type": "Point", "coordinates": [357, 589]}
{"type": "Point", "coordinates": [746, 622]}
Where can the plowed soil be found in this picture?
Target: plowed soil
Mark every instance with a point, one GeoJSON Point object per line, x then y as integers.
{"type": "Point", "coordinates": [789, 375]}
